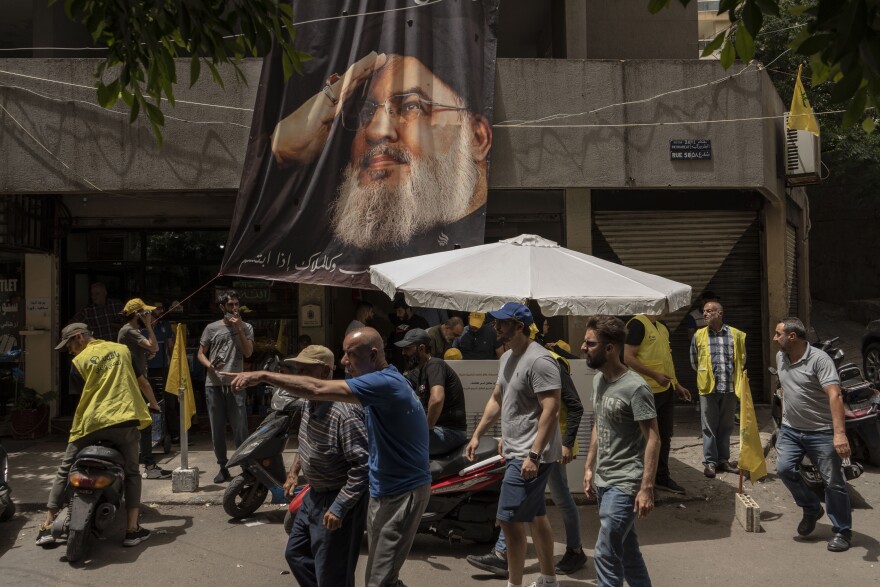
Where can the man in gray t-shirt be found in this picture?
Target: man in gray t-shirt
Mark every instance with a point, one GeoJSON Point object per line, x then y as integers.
{"type": "Point", "coordinates": [527, 397]}
{"type": "Point", "coordinates": [813, 424]}
{"type": "Point", "coordinates": [623, 456]}
{"type": "Point", "coordinates": [224, 346]}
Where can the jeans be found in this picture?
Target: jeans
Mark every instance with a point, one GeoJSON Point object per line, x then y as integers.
{"type": "Point", "coordinates": [224, 403]}
{"type": "Point", "coordinates": [557, 482]}
{"type": "Point", "coordinates": [664, 403]}
{"type": "Point", "coordinates": [319, 557]}
{"type": "Point", "coordinates": [716, 417]}
{"type": "Point", "coordinates": [443, 440]}
{"type": "Point", "coordinates": [617, 555]}
{"type": "Point", "coordinates": [791, 446]}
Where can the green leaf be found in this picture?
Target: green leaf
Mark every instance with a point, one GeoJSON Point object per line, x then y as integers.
{"type": "Point", "coordinates": [869, 124]}
{"type": "Point", "coordinates": [870, 54]}
{"type": "Point", "coordinates": [819, 71]}
{"type": "Point", "coordinates": [846, 87]}
{"type": "Point", "coordinates": [195, 68]}
{"type": "Point", "coordinates": [215, 74]}
{"type": "Point", "coordinates": [798, 9]}
{"type": "Point", "coordinates": [154, 113]}
{"type": "Point", "coordinates": [856, 108]}
{"type": "Point", "coordinates": [135, 110]}
{"type": "Point", "coordinates": [714, 45]}
{"type": "Point", "coordinates": [814, 44]}
{"type": "Point", "coordinates": [108, 94]}
{"type": "Point", "coordinates": [728, 55]}
{"type": "Point", "coordinates": [770, 7]}
{"type": "Point", "coordinates": [745, 44]}
{"type": "Point", "coordinates": [287, 66]}
{"type": "Point", "coordinates": [655, 6]}
{"type": "Point", "coordinates": [752, 18]}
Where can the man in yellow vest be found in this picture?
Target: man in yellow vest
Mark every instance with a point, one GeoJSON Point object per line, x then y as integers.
{"type": "Point", "coordinates": [718, 355]}
{"type": "Point", "coordinates": [647, 352]}
{"type": "Point", "coordinates": [111, 409]}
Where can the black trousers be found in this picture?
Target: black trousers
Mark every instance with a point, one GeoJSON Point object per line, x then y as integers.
{"type": "Point", "coordinates": [664, 403]}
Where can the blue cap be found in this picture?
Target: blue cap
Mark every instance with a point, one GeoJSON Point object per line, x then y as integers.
{"type": "Point", "coordinates": [514, 311]}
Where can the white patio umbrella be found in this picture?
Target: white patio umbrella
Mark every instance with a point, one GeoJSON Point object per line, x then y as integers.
{"type": "Point", "coordinates": [562, 281]}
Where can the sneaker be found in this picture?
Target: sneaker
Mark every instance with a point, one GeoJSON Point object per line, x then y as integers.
{"type": "Point", "coordinates": [571, 561]}
{"type": "Point", "coordinates": [808, 522]}
{"type": "Point", "coordinates": [222, 476]}
{"type": "Point", "coordinates": [489, 562]}
{"type": "Point", "coordinates": [155, 472]}
{"type": "Point", "coordinates": [669, 485]}
{"type": "Point", "coordinates": [135, 537]}
{"type": "Point", "coordinates": [44, 536]}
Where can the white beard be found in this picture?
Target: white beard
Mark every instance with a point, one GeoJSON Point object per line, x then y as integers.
{"type": "Point", "coordinates": [437, 191]}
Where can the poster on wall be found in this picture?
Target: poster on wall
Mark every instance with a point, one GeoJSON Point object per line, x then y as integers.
{"type": "Point", "coordinates": [11, 309]}
{"type": "Point", "coordinates": [378, 151]}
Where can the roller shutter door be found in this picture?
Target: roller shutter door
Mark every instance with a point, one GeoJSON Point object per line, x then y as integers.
{"type": "Point", "coordinates": [716, 250]}
{"type": "Point", "coordinates": [791, 269]}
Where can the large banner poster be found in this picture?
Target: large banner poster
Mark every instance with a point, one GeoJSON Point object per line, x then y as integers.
{"type": "Point", "coordinates": [378, 151]}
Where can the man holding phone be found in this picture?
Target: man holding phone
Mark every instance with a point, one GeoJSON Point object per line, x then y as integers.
{"type": "Point", "coordinates": [224, 346]}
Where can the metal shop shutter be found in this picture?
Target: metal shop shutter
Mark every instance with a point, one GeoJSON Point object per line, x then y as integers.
{"type": "Point", "coordinates": [791, 270]}
{"type": "Point", "coordinates": [716, 250]}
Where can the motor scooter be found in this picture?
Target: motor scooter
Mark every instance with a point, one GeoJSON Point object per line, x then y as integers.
{"type": "Point", "coordinates": [464, 495]}
{"type": "Point", "coordinates": [95, 484]}
{"type": "Point", "coordinates": [7, 506]}
{"type": "Point", "coordinates": [261, 458]}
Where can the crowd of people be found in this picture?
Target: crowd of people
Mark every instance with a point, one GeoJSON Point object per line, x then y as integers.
{"type": "Point", "coordinates": [365, 441]}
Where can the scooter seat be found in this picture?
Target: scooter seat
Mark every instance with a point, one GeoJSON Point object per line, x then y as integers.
{"type": "Point", "coordinates": [104, 453]}
{"type": "Point", "coordinates": [453, 462]}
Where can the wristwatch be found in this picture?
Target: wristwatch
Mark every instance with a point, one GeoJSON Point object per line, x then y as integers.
{"type": "Point", "coordinates": [534, 457]}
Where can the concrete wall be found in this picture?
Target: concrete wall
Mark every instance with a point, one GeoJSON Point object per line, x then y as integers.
{"type": "Point", "coordinates": [102, 147]}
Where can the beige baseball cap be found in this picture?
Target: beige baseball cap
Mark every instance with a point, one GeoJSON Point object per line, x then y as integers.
{"type": "Point", "coordinates": [313, 354]}
{"type": "Point", "coordinates": [70, 331]}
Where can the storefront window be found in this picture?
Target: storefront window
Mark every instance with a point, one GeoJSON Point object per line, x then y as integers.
{"type": "Point", "coordinates": [11, 323]}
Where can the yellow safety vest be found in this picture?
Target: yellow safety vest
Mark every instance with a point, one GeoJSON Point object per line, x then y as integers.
{"type": "Point", "coordinates": [655, 352]}
{"type": "Point", "coordinates": [705, 373]}
{"type": "Point", "coordinates": [111, 394]}
{"type": "Point", "coordinates": [563, 411]}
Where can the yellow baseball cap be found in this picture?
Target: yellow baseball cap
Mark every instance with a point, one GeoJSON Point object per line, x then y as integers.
{"type": "Point", "coordinates": [452, 355]}
{"type": "Point", "coordinates": [476, 319]}
{"type": "Point", "coordinates": [136, 305]}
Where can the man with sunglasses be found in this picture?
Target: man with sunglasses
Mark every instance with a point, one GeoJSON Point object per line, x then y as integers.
{"type": "Point", "coordinates": [527, 398]}
{"type": "Point", "coordinates": [418, 158]}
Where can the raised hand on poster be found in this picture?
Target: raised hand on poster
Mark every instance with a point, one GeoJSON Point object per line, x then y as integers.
{"type": "Point", "coordinates": [299, 138]}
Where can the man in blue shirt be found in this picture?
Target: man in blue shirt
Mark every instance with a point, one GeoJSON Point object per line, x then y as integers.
{"type": "Point", "coordinates": [397, 431]}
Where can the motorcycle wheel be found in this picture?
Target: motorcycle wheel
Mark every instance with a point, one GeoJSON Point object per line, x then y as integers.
{"type": "Point", "coordinates": [8, 509]}
{"type": "Point", "coordinates": [288, 523]}
{"type": "Point", "coordinates": [243, 496]}
{"type": "Point", "coordinates": [871, 363]}
{"type": "Point", "coordinates": [76, 542]}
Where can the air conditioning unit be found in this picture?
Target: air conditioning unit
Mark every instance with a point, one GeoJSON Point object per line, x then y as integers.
{"type": "Point", "coordinates": [802, 156]}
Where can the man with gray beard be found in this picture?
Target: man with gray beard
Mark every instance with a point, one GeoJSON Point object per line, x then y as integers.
{"type": "Point", "coordinates": [418, 158]}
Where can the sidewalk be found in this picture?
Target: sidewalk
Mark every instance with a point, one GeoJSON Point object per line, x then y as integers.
{"type": "Point", "coordinates": [32, 466]}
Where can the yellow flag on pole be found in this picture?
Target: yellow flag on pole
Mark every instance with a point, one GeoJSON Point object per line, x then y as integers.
{"type": "Point", "coordinates": [178, 374]}
{"type": "Point", "coordinates": [800, 116]}
{"type": "Point", "coordinates": [751, 451]}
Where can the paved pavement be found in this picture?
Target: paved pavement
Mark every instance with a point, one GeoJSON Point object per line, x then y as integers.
{"type": "Point", "coordinates": [32, 464]}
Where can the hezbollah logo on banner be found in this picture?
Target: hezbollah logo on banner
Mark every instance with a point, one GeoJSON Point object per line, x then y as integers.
{"type": "Point", "coordinates": [801, 116]}
{"type": "Point", "coordinates": [751, 451]}
{"type": "Point", "coordinates": [378, 151]}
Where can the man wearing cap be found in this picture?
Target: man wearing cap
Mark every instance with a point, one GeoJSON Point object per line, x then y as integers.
{"type": "Point", "coordinates": [110, 409]}
{"type": "Point", "coordinates": [224, 346]}
{"type": "Point", "coordinates": [141, 347]}
{"type": "Point", "coordinates": [440, 391]}
{"type": "Point", "coordinates": [527, 398]}
{"type": "Point", "coordinates": [325, 542]}
{"type": "Point", "coordinates": [443, 335]}
{"type": "Point", "coordinates": [478, 341]}
{"type": "Point", "coordinates": [400, 481]}
{"type": "Point", "coordinates": [402, 320]}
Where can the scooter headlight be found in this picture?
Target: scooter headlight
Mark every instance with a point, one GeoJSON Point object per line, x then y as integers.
{"type": "Point", "coordinates": [87, 481]}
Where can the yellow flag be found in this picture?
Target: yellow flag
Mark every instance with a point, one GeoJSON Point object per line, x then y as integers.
{"type": "Point", "coordinates": [178, 374]}
{"type": "Point", "coordinates": [801, 116]}
{"type": "Point", "coordinates": [751, 452]}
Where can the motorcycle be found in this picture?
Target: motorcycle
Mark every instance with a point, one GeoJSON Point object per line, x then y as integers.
{"type": "Point", "coordinates": [861, 405]}
{"type": "Point", "coordinates": [464, 495]}
{"type": "Point", "coordinates": [96, 484]}
{"type": "Point", "coordinates": [261, 458]}
{"type": "Point", "coordinates": [7, 506]}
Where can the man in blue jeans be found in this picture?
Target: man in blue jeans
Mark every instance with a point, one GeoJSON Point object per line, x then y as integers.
{"type": "Point", "coordinates": [495, 561]}
{"type": "Point", "coordinates": [812, 425]}
{"type": "Point", "coordinates": [622, 460]}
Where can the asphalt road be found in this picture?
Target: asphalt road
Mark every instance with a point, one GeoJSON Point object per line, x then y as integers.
{"type": "Point", "coordinates": [692, 541]}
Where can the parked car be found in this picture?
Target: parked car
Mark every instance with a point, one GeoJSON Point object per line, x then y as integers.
{"type": "Point", "coordinates": [871, 353]}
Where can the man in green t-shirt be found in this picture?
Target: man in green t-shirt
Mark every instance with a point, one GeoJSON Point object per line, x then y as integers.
{"type": "Point", "coordinates": [624, 450]}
